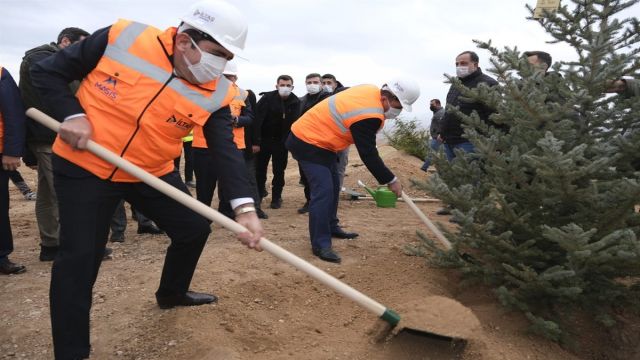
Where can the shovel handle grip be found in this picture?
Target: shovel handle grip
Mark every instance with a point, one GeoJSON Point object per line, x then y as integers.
{"type": "Point", "coordinates": [211, 214]}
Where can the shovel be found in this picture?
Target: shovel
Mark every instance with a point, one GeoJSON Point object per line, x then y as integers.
{"type": "Point", "coordinates": [441, 238]}
{"type": "Point", "coordinates": [389, 317]}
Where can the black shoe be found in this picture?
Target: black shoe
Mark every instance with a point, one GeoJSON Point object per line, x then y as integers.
{"type": "Point", "coordinates": [327, 255]}
{"type": "Point", "coordinates": [341, 234]}
{"type": "Point", "coordinates": [304, 209]}
{"type": "Point", "coordinates": [150, 229]}
{"type": "Point", "coordinates": [191, 298]}
{"type": "Point", "coordinates": [263, 193]}
{"type": "Point", "coordinates": [115, 237]}
{"type": "Point", "coordinates": [107, 254]}
{"type": "Point", "coordinates": [261, 214]}
{"type": "Point", "coordinates": [8, 267]}
{"type": "Point", "coordinates": [276, 204]}
{"type": "Point", "coordinates": [444, 211]}
{"type": "Point", "coordinates": [48, 253]}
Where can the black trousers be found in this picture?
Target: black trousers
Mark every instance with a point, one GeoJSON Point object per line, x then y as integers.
{"type": "Point", "coordinates": [275, 151]}
{"type": "Point", "coordinates": [6, 238]}
{"type": "Point", "coordinates": [207, 178]}
{"type": "Point", "coordinates": [188, 161]}
{"type": "Point", "coordinates": [86, 206]}
{"type": "Point", "coordinates": [119, 219]}
{"type": "Point", "coordinates": [206, 175]}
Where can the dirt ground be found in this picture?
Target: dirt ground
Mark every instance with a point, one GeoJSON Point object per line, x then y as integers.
{"type": "Point", "coordinates": [267, 309]}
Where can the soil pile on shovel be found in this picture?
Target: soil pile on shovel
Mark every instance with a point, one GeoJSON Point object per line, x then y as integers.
{"type": "Point", "coordinates": [434, 327]}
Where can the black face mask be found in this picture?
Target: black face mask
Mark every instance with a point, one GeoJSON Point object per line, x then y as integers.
{"type": "Point", "coordinates": [433, 108]}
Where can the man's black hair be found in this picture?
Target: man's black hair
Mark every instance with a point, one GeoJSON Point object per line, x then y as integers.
{"type": "Point", "coordinates": [72, 33]}
{"type": "Point", "coordinates": [285, 78]}
{"type": "Point", "coordinates": [312, 75]}
{"type": "Point", "coordinates": [545, 57]}
{"type": "Point", "coordinates": [329, 76]}
{"type": "Point", "coordinates": [473, 55]}
{"type": "Point", "coordinates": [437, 101]}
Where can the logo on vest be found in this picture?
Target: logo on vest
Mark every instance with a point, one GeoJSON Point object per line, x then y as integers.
{"type": "Point", "coordinates": [108, 87]}
{"type": "Point", "coordinates": [179, 123]}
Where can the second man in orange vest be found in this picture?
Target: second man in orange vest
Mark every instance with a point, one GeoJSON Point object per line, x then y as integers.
{"type": "Point", "coordinates": [352, 116]}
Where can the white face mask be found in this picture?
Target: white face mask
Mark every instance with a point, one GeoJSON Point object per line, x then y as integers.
{"type": "Point", "coordinates": [392, 113]}
{"type": "Point", "coordinates": [327, 88]}
{"type": "Point", "coordinates": [284, 91]}
{"type": "Point", "coordinates": [462, 71]}
{"type": "Point", "coordinates": [313, 88]}
{"type": "Point", "coordinates": [209, 68]}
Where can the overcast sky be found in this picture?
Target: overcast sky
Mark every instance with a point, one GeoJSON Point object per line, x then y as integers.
{"type": "Point", "coordinates": [358, 41]}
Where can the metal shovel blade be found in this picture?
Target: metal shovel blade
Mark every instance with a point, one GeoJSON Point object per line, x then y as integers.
{"type": "Point", "coordinates": [434, 327]}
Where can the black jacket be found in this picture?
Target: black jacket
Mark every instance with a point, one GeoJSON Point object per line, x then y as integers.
{"type": "Point", "coordinates": [13, 116]}
{"type": "Point", "coordinates": [452, 125]}
{"type": "Point", "coordinates": [309, 100]}
{"type": "Point", "coordinates": [251, 131]}
{"type": "Point", "coordinates": [31, 98]}
{"type": "Point", "coordinates": [275, 116]}
{"type": "Point", "coordinates": [436, 123]}
{"type": "Point", "coordinates": [51, 78]}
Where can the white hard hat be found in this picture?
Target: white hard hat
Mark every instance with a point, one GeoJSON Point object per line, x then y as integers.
{"type": "Point", "coordinates": [406, 90]}
{"type": "Point", "coordinates": [220, 20]}
{"type": "Point", "coordinates": [231, 68]}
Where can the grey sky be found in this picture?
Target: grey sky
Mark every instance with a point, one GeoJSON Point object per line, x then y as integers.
{"type": "Point", "coordinates": [358, 41]}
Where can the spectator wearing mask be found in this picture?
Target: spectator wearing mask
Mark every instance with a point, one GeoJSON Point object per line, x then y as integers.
{"type": "Point", "coordinates": [276, 111]}
{"type": "Point", "coordinates": [452, 134]}
{"type": "Point", "coordinates": [315, 93]}
{"type": "Point", "coordinates": [331, 86]}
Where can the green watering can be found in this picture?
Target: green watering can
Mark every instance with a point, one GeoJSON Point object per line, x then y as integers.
{"type": "Point", "coordinates": [384, 197]}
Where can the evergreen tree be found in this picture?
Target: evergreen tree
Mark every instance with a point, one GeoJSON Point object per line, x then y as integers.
{"type": "Point", "coordinates": [546, 202]}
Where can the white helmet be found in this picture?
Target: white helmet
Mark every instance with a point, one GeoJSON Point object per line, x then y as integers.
{"type": "Point", "coordinates": [231, 68]}
{"type": "Point", "coordinates": [220, 20]}
{"type": "Point", "coordinates": [406, 90]}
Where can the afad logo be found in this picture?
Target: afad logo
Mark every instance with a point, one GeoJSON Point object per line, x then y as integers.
{"type": "Point", "coordinates": [179, 123]}
{"type": "Point", "coordinates": [108, 87]}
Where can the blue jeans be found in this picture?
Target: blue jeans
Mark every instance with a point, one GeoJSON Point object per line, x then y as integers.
{"type": "Point", "coordinates": [449, 149]}
{"type": "Point", "coordinates": [434, 144]}
{"type": "Point", "coordinates": [324, 185]}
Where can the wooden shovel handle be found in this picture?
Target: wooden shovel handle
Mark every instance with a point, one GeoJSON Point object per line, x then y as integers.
{"type": "Point", "coordinates": [211, 214]}
{"type": "Point", "coordinates": [443, 240]}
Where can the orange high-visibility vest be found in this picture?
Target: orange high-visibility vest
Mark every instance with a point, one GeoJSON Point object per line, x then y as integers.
{"type": "Point", "coordinates": [236, 105]}
{"type": "Point", "coordinates": [326, 125]}
{"type": "Point", "coordinates": [1, 125]}
{"type": "Point", "coordinates": [136, 105]}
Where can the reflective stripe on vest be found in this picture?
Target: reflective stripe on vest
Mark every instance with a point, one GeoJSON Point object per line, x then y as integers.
{"type": "Point", "coordinates": [238, 133]}
{"type": "Point", "coordinates": [137, 107]}
{"type": "Point", "coordinates": [326, 125]}
{"type": "Point", "coordinates": [236, 109]}
{"type": "Point", "coordinates": [119, 51]}
{"type": "Point", "coordinates": [339, 118]}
